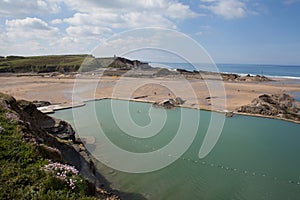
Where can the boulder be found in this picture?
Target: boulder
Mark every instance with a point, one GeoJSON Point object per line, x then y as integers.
{"type": "Point", "coordinates": [169, 103]}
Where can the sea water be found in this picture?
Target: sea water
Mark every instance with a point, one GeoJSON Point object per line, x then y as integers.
{"type": "Point", "coordinates": [254, 158]}
{"type": "Point", "coordinates": [277, 71]}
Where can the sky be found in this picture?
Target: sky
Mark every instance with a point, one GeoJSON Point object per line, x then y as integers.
{"type": "Point", "coordinates": [231, 31]}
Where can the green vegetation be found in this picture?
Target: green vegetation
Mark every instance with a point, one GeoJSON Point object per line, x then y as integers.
{"type": "Point", "coordinates": [61, 63]}
{"type": "Point", "coordinates": [51, 63]}
{"type": "Point", "coordinates": [23, 170]}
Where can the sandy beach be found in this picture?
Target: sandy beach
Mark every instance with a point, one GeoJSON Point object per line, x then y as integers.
{"type": "Point", "coordinates": [220, 96]}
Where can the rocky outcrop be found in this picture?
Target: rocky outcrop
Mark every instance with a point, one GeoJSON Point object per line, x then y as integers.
{"type": "Point", "coordinates": [56, 127]}
{"type": "Point", "coordinates": [124, 63]}
{"type": "Point", "coordinates": [169, 103]}
{"type": "Point", "coordinates": [42, 132]}
{"type": "Point", "coordinates": [41, 103]}
{"type": "Point", "coordinates": [257, 78]}
{"type": "Point", "coordinates": [276, 105]}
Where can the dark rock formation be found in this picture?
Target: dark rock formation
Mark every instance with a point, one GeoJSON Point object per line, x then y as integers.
{"type": "Point", "coordinates": [229, 114]}
{"type": "Point", "coordinates": [169, 103]}
{"type": "Point", "coordinates": [124, 63]}
{"type": "Point", "coordinates": [119, 66]}
{"type": "Point", "coordinates": [56, 127]}
{"type": "Point", "coordinates": [41, 103]}
{"type": "Point", "coordinates": [277, 105]}
{"type": "Point", "coordinates": [256, 78]}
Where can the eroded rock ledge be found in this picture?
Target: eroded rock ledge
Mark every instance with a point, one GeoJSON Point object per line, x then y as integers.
{"type": "Point", "coordinates": [275, 105]}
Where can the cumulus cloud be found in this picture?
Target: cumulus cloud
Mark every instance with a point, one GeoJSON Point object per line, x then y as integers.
{"type": "Point", "coordinates": [96, 20]}
{"type": "Point", "coordinates": [21, 8]}
{"type": "Point", "coordinates": [27, 24]}
{"type": "Point", "coordinates": [29, 27]}
{"type": "Point", "coordinates": [229, 9]}
{"type": "Point", "coordinates": [76, 26]}
{"type": "Point", "coordinates": [128, 14]}
{"type": "Point", "coordinates": [28, 35]}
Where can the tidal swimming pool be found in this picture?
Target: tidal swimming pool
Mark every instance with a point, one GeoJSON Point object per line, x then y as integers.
{"type": "Point", "coordinates": [254, 158]}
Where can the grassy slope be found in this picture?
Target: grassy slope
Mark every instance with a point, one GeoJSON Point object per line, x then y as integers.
{"type": "Point", "coordinates": [21, 176]}
{"type": "Point", "coordinates": [41, 63]}
{"type": "Point", "coordinates": [59, 63]}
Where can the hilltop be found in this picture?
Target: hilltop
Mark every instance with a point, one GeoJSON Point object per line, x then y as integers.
{"type": "Point", "coordinates": [62, 63]}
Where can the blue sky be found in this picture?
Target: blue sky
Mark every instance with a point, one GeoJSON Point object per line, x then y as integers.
{"type": "Point", "coordinates": [231, 31]}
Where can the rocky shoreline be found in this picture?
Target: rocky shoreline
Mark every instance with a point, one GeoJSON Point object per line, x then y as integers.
{"type": "Point", "coordinates": [280, 106]}
{"type": "Point", "coordinates": [56, 140]}
{"type": "Point", "coordinates": [116, 67]}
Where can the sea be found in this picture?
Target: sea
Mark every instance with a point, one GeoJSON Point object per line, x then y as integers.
{"type": "Point", "coordinates": [253, 158]}
{"type": "Point", "coordinates": [275, 71]}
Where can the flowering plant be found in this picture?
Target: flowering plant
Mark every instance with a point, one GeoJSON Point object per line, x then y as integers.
{"type": "Point", "coordinates": [65, 172]}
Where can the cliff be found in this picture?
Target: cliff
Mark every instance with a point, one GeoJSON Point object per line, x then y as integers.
{"type": "Point", "coordinates": [43, 140]}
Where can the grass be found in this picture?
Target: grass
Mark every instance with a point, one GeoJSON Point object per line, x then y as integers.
{"type": "Point", "coordinates": [56, 63]}
{"type": "Point", "coordinates": [21, 169]}
{"type": "Point", "coordinates": [51, 63]}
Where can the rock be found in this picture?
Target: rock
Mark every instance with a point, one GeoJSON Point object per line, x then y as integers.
{"type": "Point", "coordinates": [164, 72]}
{"type": "Point", "coordinates": [169, 103]}
{"type": "Point", "coordinates": [41, 103]}
{"type": "Point", "coordinates": [179, 101]}
{"type": "Point", "coordinates": [28, 112]}
{"type": "Point", "coordinates": [277, 105]}
{"type": "Point", "coordinates": [229, 114]}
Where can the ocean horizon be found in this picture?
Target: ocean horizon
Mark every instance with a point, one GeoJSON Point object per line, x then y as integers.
{"type": "Point", "coordinates": [269, 70]}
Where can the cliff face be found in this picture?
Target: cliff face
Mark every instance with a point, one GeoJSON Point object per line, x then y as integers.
{"type": "Point", "coordinates": [277, 105]}
{"type": "Point", "coordinates": [43, 132]}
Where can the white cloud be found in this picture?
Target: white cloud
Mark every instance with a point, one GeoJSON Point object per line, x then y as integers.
{"type": "Point", "coordinates": [230, 9]}
{"type": "Point", "coordinates": [29, 27]}
{"type": "Point", "coordinates": [83, 25]}
{"type": "Point", "coordinates": [129, 14]}
{"type": "Point", "coordinates": [27, 24]}
{"type": "Point", "coordinates": [21, 8]}
{"type": "Point", "coordinates": [28, 35]}
{"type": "Point", "coordinates": [56, 21]}
{"type": "Point", "coordinates": [98, 19]}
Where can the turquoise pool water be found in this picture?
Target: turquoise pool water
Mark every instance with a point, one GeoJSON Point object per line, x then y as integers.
{"type": "Point", "coordinates": [254, 158]}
